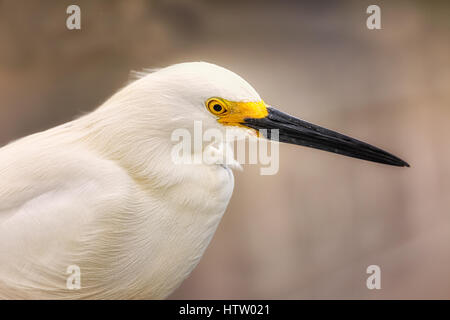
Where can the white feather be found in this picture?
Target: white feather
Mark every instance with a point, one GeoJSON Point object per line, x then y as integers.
{"type": "Point", "coordinates": [101, 192]}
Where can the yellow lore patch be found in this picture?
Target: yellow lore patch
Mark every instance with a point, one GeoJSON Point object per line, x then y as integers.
{"type": "Point", "coordinates": [231, 113]}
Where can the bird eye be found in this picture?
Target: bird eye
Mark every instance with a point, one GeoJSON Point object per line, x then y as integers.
{"type": "Point", "coordinates": [217, 107]}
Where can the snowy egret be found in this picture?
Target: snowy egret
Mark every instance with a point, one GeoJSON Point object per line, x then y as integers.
{"type": "Point", "coordinates": [102, 193]}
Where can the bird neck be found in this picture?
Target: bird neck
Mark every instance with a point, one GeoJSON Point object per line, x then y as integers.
{"type": "Point", "coordinates": [130, 141]}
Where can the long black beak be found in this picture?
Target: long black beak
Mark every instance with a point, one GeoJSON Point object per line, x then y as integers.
{"type": "Point", "coordinates": [299, 132]}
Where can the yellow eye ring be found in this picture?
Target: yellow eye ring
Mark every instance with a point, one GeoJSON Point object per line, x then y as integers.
{"type": "Point", "coordinates": [217, 107]}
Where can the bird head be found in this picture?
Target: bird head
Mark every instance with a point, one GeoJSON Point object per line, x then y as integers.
{"type": "Point", "coordinates": [221, 99]}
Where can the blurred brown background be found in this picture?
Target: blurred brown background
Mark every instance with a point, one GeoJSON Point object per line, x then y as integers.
{"type": "Point", "coordinates": [311, 230]}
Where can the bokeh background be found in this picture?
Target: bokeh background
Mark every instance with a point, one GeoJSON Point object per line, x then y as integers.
{"type": "Point", "coordinates": [311, 230]}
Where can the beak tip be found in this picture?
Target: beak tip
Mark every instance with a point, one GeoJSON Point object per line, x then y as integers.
{"type": "Point", "coordinates": [401, 163]}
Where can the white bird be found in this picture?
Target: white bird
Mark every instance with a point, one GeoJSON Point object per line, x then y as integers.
{"type": "Point", "coordinates": [102, 192]}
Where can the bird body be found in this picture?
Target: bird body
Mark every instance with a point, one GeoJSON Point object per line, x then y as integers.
{"type": "Point", "coordinates": [131, 238]}
{"type": "Point", "coordinates": [97, 194]}
{"type": "Point", "coordinates": [103, 193]}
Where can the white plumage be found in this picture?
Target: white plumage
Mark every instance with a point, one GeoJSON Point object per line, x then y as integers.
{"type": "Point", "coordinates": [101, 192]}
